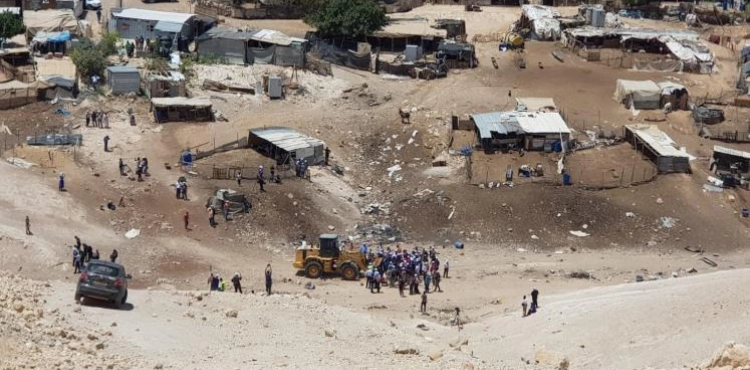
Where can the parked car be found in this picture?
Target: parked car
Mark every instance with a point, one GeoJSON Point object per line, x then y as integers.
{"type": "Point", "coordinates": [94, 4]}
{"type": "Point", "coordinates": [104, 281]}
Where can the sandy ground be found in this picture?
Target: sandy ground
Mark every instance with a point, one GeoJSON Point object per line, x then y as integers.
{"type": "Point", "coordinates": [515, 238]}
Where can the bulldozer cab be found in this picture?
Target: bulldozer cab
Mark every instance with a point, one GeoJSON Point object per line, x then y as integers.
{"type": "Point", "coordinates": [329, 246]}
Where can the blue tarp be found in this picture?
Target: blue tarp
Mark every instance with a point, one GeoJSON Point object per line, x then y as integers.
{"type": "Point", "coordinates": [58, 37]}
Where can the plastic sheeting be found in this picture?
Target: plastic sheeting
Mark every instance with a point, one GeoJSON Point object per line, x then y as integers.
{"type": "Point", "coordinates": [261, 55]}
{"type": "Point", "coordinates": [50, 21]}
{"type": "Point", "coordinates": [639, 94]}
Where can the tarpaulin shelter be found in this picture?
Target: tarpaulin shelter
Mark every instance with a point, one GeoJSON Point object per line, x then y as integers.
{"type": "Point", "coordinates": [638, 94]}
{"type": "Point", "coordinates": [675, 94]}
{"type": "Point", "coordinates": [541, 20]}
{"type": "Point", "coordinates": [50, 21]}
{"type": "Point", "coordinates": [253, 47]}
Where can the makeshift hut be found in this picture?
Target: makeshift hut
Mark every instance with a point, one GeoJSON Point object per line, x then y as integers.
{"type": "Point", "coordinates": [730, 160]}
{"type": "Point", "coordinates": [286, 145]}
{"type": "Point", "coordinates": [253, 47]}
{"type": "Point", "coordinates": [130, 23]}
{"type": "Point", "coordinates": [674, 94]}
{"type": "Point", "coordinates": [166, 84]}
{"type": "Point", "coordinates": [60, 74]}
{"type": "Point", "coordinates": [541, 20]}
{"type": "Point", "coordinates": [638, 94]}
{"type": "Point", "coordinates": [123, 79]}
{"type": "Point", "coordinates": [181, 109]}
{"type": "Point", "coordinates": [658, 147]}
{"type": "Point", "coordinates": [542, 131]}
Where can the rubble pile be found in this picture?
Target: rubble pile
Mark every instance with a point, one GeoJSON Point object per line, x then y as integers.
{"type": "Point", "coordinates": [48, 339]}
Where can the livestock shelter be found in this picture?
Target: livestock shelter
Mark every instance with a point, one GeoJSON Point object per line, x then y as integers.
{"type": "Point", "coordinates": [286, 145]}
{"type": "Point", "coordinates": [123, 79]}
{"type": "Point", "coordinates": [168, 84]}
{"type": "Point", "coordinates": [252, 47]}
{"type": "Point", "coordinates": [658, 147]}
{"type": "Point", "coordinates": [638, 94]}
{"type": "Point", "coordinates": [729, 160]}
{"type": "Point", "coordinates": [181, 109]}
{"type": "Point", "coordinates": [539, 131]}
{"type": "Point", "coordinates": [130, 23]}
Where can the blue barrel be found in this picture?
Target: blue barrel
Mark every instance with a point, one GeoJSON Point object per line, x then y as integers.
{"type": "Point", "coordinates": [458, 244]}
{"type": "Point", "coordinates": [566, 179]}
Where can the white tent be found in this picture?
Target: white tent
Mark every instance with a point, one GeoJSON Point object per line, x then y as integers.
{"type": "Point", "coordinates": [638, 94]}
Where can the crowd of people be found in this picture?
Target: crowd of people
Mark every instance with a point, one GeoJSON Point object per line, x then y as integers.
{"type": "Point", "coordinates": [97, 118]}
{"type": "Point", "coordinates": [84, 253]}
{"type": "Point", "coordinates": [419, 268]}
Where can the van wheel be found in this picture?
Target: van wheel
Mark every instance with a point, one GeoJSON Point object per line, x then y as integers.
{"type": "Point", "coordinates": [349, 272]}
{"type": "Point", "coordinates": [313, 269]}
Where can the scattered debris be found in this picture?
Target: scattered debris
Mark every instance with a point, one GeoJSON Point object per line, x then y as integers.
{"type": "Point", "coordinates": [580, 275]}
{"type": "Point", "coordinates": [579, 233]}
{"type": "Point", "coordinates": [667, 222]}
{"type": "Point", "coordinates": [709, 262]}
{"type": "Point", "coordinates": [132, 233]}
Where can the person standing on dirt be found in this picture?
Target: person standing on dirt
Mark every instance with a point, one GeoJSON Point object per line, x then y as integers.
{"type": "Point", "coordinates": [113, 256]}
{"type": "Point", "coordinates": [261, 182]}
{"type": "Point", "coordinates": [61, 182]}
{"type": "Point", "coordinates": [446, 268]}
{"type": "Point", "coordinates": [269, 279]}
{"type": "Point", "coordinates": [457, 319]}
{"type": "Point", "coordinates": [236, 282]}
{"type": "Point", "coordinates": [534, 297]}
{"type": "Point", "coordinates": [436, 281]}
{"type": "Point", "coordinates": [106, 143]}
{"type": "Point", "coordinates": [238, 175]}
{"type": "Point", "coordinates": [211, 215]}
{"type": "Point", "coordinates": [186, 219]}
{"type": "Point", "coordinates": [401, 284]}
{"type": "Point", "coordinates": [87, 253]}
{"type": "Point", "coordinates": [121, 166]}
{"type": "Point", "coordinates": [427, 281]}
{"type": "Point", "coordinates": [105, 120]}
{"type": "Point", "coordinates": [77, 262]}
{"type": "Point", "coordinates": [213, 282]}
{"type": "Point", "coordinates": [328, 155]}
{"type": "Point", "coordinates": [423, 306]}
{"type": "Point", "coordinates": [225, 209]}
{"type": "Point", "coordinates": [78, 241]}
{"type": "Point", "coordinates": [524, 306]}
{"type": "Point", "coordinates": [88, 118]}
{"type": "Point", "coordinates": [28, 226]}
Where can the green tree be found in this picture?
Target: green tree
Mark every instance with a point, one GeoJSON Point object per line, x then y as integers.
{"type": "Point", "coordinates": [354, 18]}
{"type": "Point", "coordinates": [90, 58]}
{"type": "Point", "coordinates": [10, 25]}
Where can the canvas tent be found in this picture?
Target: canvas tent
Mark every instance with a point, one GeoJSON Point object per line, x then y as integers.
{"type": "Point", "coordinates": [286, 145]}
{"type": "Point", "coordinates": [542, 20]}
{"type": "Point", "coordinates": [658, 147]}
{"type": "Point", "coordinates": [253, 47]}
{"type": "Point", "coordinates": [638, 94]}
{"type": "Point", "coordinates": [50, 21]}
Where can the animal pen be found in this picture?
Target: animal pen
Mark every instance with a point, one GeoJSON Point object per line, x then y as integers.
{"type": "Point", "coordinates": [658, 147]}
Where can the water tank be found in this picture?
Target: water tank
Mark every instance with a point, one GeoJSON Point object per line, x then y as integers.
{"type": "Point", "coordinates": [588, 15]}
{"type": "Point", "coordinates": [274, 87]}
{"type": "Point", "coordinates": [412, 53]}
{"type": "Point", "coordinates": [598, 17]}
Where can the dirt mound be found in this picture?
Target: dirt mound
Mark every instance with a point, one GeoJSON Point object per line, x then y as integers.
{"type": "Point", "coordinates": [730, 356]}
{"type": "Point", "coordinates": [47, 337]}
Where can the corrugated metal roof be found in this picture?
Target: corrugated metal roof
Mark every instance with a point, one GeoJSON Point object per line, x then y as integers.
{"type": "Point", "coordinates": [181, 102]}
{"type": "Point", "coordinates": [730, 151]}
{"type": "Point", "coordinates": [227, 33]}
{"type": "Point", "coordinates": [122, 69]}
{"type": "Point", "coordinates": [165, 26]}
{"type": "Point", "coordinates": [501, 123]}
{"type": "Point", "coordinates": [286, 138]}
{"type": "Point", "coordinates": [153, 15]}
{"type": "Point", "coordinates": [657, 140]}
{"type": "Point", "coordinates": [543, 123]}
